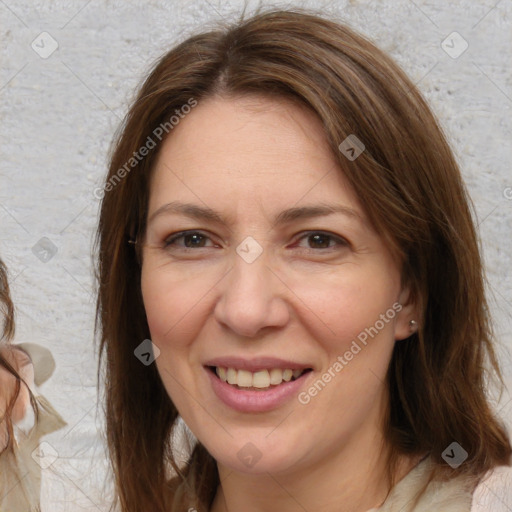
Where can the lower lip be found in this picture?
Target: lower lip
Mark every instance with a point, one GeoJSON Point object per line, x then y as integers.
{"type": "Point", "coordinates": [255, 401]}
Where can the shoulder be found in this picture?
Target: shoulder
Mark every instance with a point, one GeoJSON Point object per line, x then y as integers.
{"type": "Point", "coordinates": [453, 495]}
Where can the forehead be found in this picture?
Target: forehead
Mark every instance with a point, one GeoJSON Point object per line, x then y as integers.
{"type": "Point", "coordinates": [230, 128]}
{"type": "Point", "coordinates": [250, 149]}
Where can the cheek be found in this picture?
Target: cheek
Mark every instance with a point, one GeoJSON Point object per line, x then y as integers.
{"type": "Point", "coordinates": [173, 308]}
{"type": "Point", "coordinates": [356, 343]}
{"type": "Point", "coordinates": [172, 302]}
{"type": "Point", "coordinates": [348, 302]}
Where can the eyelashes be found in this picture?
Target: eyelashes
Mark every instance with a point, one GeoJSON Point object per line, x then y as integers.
{"type": "Point", "coordinates": [194, 240]}
{"type": "Point", "coordinates": [195, 235]}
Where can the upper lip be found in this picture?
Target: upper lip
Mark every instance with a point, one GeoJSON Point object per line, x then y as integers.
{"type": "Point", "coordinates": [256, 364]}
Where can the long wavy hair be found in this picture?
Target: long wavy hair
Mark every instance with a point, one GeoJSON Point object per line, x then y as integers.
{"type": "Point", "coordinates": [410, 184]}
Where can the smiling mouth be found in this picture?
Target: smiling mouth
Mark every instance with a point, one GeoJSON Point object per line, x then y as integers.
{"type": "Point", "coordinates": [262, 380]}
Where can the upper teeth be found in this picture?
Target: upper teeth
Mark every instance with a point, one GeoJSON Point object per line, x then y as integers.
{"type": "Point", "coordinates": [260, 379]}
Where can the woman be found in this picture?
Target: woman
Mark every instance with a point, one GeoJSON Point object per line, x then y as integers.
{"type": "Point", "coordinates": [23, 367]}
{"type": "Point", "coordinates": [284, 220]}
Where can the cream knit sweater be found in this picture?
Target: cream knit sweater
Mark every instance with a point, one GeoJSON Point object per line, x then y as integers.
{"type": "Point", "coordinates": [452, 496]}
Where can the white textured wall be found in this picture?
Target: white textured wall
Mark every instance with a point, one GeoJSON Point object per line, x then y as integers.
{"type": "Point", "coordinates": [58, 115]}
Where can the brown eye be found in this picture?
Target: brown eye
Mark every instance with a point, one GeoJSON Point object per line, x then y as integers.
{"type": "Point", "coordinates": [191, 239]}
{"type": "Point", "coordinates": [320, 240]}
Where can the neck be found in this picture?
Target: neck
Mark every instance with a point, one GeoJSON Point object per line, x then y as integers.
{"type": "Point", "coordinates": [351, 480]}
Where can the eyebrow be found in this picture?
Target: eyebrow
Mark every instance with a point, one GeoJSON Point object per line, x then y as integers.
{"type": "Point", "coordinates": [286, 216]}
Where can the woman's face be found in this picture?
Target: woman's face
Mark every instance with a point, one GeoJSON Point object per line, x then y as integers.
{"type": "Point", "coordinates": [260, 282]}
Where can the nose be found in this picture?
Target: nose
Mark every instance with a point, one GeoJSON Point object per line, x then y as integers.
{"type": "Point", "coordinates": [252, 298]}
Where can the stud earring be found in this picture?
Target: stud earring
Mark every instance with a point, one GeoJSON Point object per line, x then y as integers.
{"type": "Point", "coordinates": [413, 325]}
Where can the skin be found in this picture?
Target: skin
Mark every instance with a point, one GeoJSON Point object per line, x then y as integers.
{"type": "Point", "coordinates": [301, 299]}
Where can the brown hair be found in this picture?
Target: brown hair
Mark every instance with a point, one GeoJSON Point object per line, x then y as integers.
{"type": "Point", "coordinates": [408, 181]}
{"type": "Point", "coordinates": [7, 361]}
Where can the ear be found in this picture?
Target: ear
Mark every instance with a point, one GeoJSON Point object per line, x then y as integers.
{"type": "Point", "coordinates": [410, 312]}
